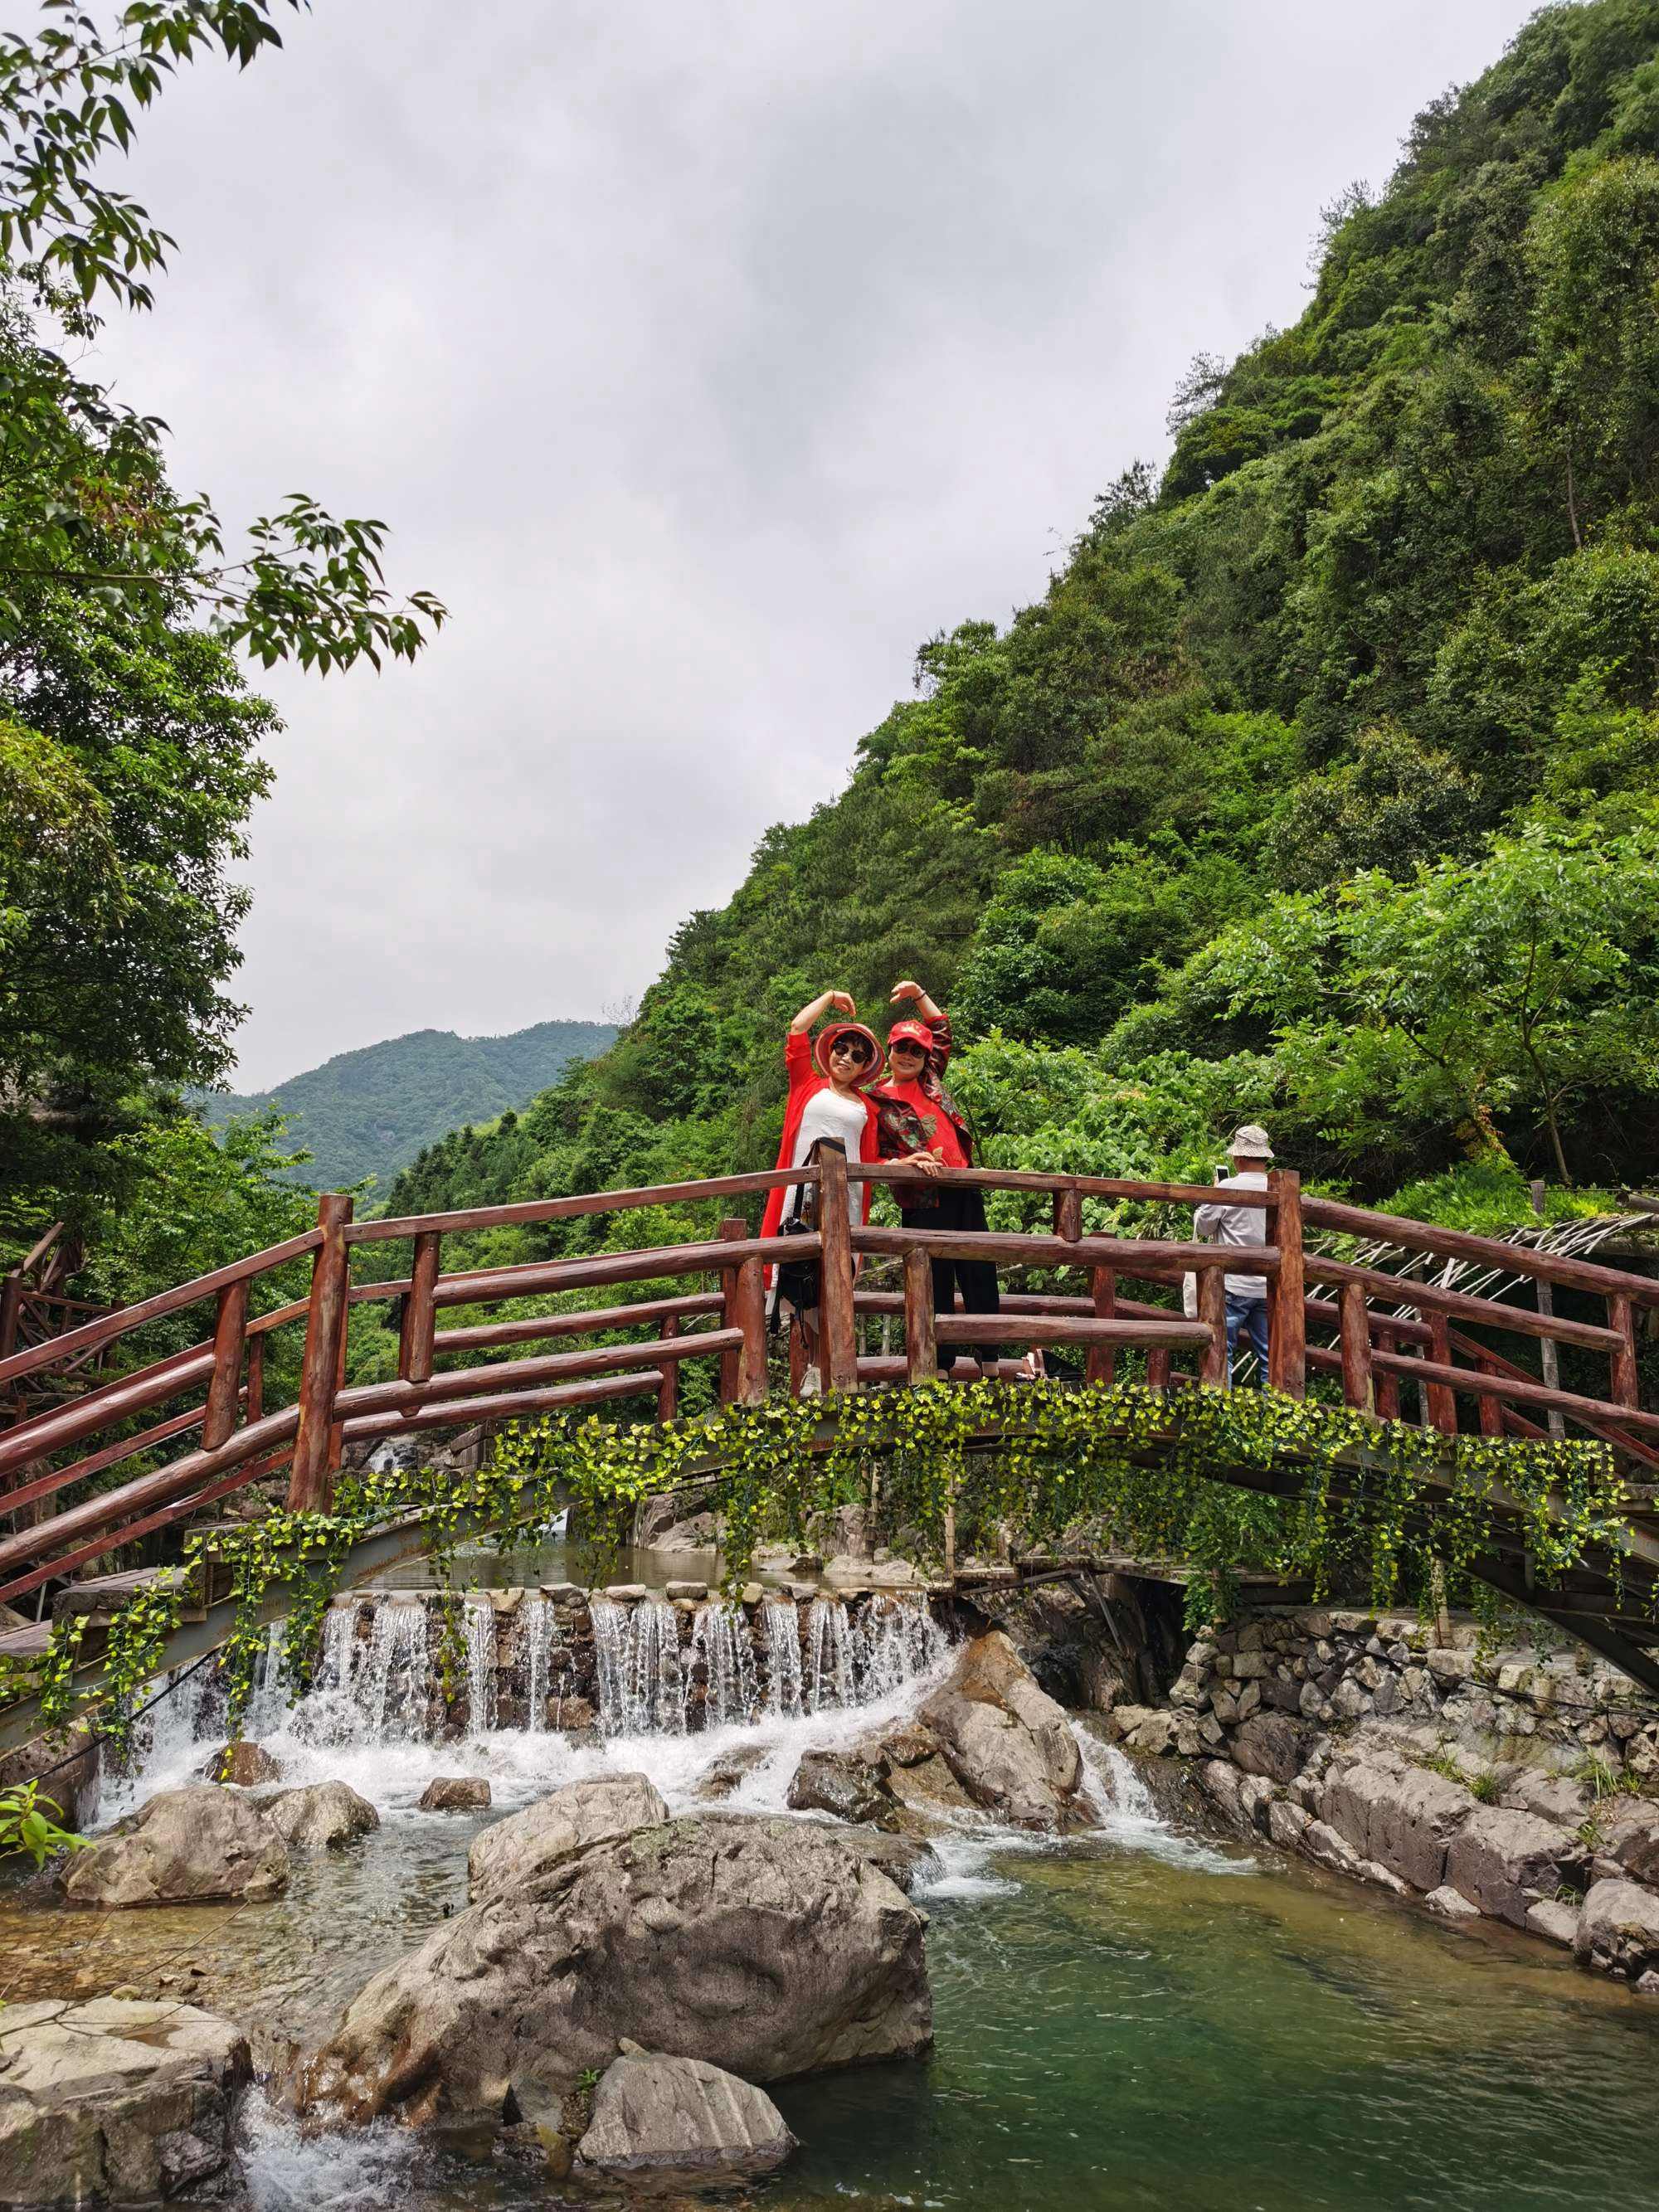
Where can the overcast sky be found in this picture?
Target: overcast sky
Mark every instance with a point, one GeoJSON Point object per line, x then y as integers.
{"type": "Point", "coordinates": [705, 359]}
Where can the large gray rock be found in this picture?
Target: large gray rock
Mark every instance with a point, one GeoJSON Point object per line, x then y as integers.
{"type": "Point", "coordinates": [116, 2102]}
{"type": "Point", "coordinates": [680, 2122]}
{"type": "Point", "coordinates": [1006, 1739]}
{"type": "Point", "coordinates": [1617, 1931]}
{"type": "Point", "coordinates": [320, 1816]}
{"type": "Point", "coordinates": [198, 1846]}
{"type": "Point", "coordinates": [1506, 1862]}
{"type": "Point", "coordinates": [1271, 1744]}
{"type": "Point", "coordinates": [557, 1827]}
{"type": "Point", "coordinates": [1633, 1840]}
{"type": "Point", "coordinates": [1403, 1817]}
{"type": "Point", "coordinates": [767, 1946]}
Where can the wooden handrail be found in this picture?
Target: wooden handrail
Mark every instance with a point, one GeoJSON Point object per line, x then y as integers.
{"type": "Point", "coordinates": [528, 1211]}
{"type": "Point", "coordinates": [1459, 1244]}
{"type": "Point", "coordinates": [1487, 1313]}
{"type": "Point", "coordinates": [125, 1319]}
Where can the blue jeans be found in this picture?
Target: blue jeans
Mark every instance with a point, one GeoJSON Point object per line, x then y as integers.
{"type": "Point", "coordinates": [1246, 1313]}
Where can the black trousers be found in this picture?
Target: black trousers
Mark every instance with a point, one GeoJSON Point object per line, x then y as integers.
{"type": "Point", "coordinates": [957, 1209]}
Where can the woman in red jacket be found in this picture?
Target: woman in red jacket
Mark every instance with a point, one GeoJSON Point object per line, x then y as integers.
{"type": "Point", "coordinates": [827, 1102]}
{"type": "Point", "coordinates": [920, 1123]}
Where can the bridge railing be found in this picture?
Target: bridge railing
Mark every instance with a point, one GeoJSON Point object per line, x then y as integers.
{"type": "Point", "coordinates": [1378, 1332]}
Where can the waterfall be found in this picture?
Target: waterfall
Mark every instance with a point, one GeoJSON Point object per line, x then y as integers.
{"type": "Point", "coordinates": [901, 1639]}
{"type": "Point", "coordinates": [720, 1641]}
{"type": "Point", "coordinates": [833, 1680]}
{"type": "Point", "coordinates": [397, 1675]}
{"type": "Point", "coordinates": [339, 1660]}
{"type": "Point", "coordinates": [637, 1650]}
{"type": "Point", "coordinates": [535, 1642]}
{"type": "Point", "coordinates": [784, 1699]}
{"type": "Point", "coordinates": [268, 1700]}
{"type": "Point", "coordinates": [480, 1666]}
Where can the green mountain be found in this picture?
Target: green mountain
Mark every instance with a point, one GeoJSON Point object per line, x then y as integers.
{"type": "Point", "coordinates": [1321, 786]}
{"type": "Point", "coordinates": [370, 1112]}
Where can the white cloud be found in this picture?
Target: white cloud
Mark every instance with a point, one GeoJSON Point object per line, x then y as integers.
{"type": "Point", "coordinates": [705, 360]}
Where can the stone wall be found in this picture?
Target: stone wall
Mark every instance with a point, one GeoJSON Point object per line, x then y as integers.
{"type": "Point", "coordinates": [1519, 1785]}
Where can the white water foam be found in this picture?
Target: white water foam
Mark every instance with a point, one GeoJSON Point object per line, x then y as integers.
{"type": "Point", "coordinates": [1127, 1813]}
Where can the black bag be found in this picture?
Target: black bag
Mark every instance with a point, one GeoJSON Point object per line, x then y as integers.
{"type": "Point", "coordinates": [799, 1280]}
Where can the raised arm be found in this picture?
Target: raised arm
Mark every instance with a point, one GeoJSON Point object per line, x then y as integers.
{"type": "Point", "coordinates": [840, 1001]}
{"type": "Point", "coordinates": [924, 1006]}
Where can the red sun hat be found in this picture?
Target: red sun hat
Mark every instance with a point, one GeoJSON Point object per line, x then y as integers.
{"type": "Point", "coordinates": [827, 1037]}
{"type": "Point", "coordinates": [910, 1032]}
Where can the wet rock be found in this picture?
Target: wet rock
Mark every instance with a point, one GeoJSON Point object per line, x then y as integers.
{"type": "Point", "coordinates": [528, 1845]}
{"type": "Point", "coordinates": [454, 1793]}
{"type": "Point", "coordinates": [248, 1765]}
{"type": "Point", "coordinates": [680, 2122]}
{"type": "Point", "coordinates": [320, 1816]}
{"type": "Point", "coordinates": [1006, 1741]}
{"type": "Point", "coordinates": [727, 1772]}
{"type": "Point", "coordinates": [1504, 1862]}
{"type": "Point", "coordinates": [842, 1784]}
{"type": "Point", "coordinates": [906, 1860]}
{"type": "Point", "coordinates": [1617, 1931]}
{"type": "Point", "coordinates": [1287, 1824]}
{"type": "Point", "coordinates": [1404, 1817]}
{"type": "Point", "coordinates": [198, 1846]}
{"type": "Point", "coordinates": [1555, 1920]}
{"type": "Point", "coordinates": [770, 1947]}
{"type": "Point", "coordinates": [1633, 1840]}
{"type": "Point", "coordinates": [1271, 1744]}
{"type": "Point", "coordinates": [116, 2102]}
{"type": "Point", "coordinates": [1225, 1787]}
{"type": "Point", "coordinates": [1451, 1904]}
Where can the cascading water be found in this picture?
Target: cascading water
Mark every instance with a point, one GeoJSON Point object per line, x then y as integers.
{"type": "Point", "coordinates": [480, 1666]}
{"type": "Point", "coordinates": [396, 1677]}
{"type": "Point", "coordinates": [636, 1649]}
{"type": "Point", "coordinates": [784, 1690]}
{"type": "Point", "coordinates": [721, 1645]}
{"type": "Point", "coordinates": [831, 1681]}
{"type": "Point", "coordinates": [535, 1628]}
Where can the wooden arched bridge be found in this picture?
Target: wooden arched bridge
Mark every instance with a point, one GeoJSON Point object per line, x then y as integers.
{"type": "Point", "coordinates": [1400, 1343]}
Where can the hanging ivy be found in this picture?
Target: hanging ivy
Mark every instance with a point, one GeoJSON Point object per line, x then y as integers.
{"type": "Point", "coordinates": [1226, 1481]}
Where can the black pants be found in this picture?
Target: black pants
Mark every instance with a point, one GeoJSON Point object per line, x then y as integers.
{"type": "Point", "coordinates": [955, 1209]}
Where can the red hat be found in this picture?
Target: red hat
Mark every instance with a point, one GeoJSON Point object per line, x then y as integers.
{"type": "Point", "coordinates": [827, 1037]}
{"type": "Point", "coordinates": [914, 1032]}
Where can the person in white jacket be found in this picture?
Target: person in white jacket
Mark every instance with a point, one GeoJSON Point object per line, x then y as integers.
{"type": "Point", "coordinates": [1243, 1225]}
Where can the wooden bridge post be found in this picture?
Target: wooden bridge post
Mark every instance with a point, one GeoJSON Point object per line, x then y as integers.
{"type": "Point", "coordinates": [1068, 1213]}
{"type": "Point", "coordinates": [668, 1390]}
{"type": "Point", "coordinates": [1213, 1372]}
{"type": "Point", "coordinates": [420, 1314]}
{"type": "Point", "coordinates": [311, 1479]}
{"type": "Point", "coordinates": [750, 1304]}
{"type": "Point", "coordinates": [11, 1309]}
{"type": "Point", "coordinates": [1101, 1364]}
{"type": "Point", "coordinates": [229, 1337]}
{"type": "Point", "coordinates": [920, 1345]}
{"type": "Point", "coordinates": [838, 1346]}
{"type": "Point", "coordinates": [732, 1231]}
{"type": "Point", "coordinates": [1621, 1316]}
{"type": "Point", "coordinates": [1287, 1318]}
{"type": "Point", "coordinates": [255, 1379]}
{"type": "Point", "coordinates": [1443, 1400]}
{"type": "Point", "coordinates": [1358, 1388]}
{"type": "Point", "coordinates": [1385, 1382]}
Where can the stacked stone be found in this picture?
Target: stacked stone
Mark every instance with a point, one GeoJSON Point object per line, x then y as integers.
{"type": "Point", "coordinates": [1505, 1786]}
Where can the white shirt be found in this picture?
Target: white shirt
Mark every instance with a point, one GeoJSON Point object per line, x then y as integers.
{"type": "Point", "coordinates": [1238, 1225]}
{"type": "Point", "coordinates": [827, 1113]}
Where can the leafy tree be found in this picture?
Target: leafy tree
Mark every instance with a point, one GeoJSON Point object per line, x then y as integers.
{"type": "Point", "coordinates": [1391, 804]}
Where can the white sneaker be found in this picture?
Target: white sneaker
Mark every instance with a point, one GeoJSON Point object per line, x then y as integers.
{"type": "Point", "coordinates": [811, 1383]}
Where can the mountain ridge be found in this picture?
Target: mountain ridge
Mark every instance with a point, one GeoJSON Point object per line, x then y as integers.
{"type": "Point", "coordinates": [370, 1111]}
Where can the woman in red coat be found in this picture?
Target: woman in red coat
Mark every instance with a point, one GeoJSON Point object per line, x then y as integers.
{"type": "Point", "coordinates": [827, 1102]}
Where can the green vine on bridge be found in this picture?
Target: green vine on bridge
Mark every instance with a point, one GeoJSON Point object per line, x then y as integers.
{"type": "Point", "coordinates": [1359, 1502]}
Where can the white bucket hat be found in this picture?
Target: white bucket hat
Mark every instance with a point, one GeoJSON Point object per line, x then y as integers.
{"type": "Point", "coordinates": [1250, 1142]}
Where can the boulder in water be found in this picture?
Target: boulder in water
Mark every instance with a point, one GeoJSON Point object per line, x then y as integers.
{"type": "Point", "coordinates": [1006, 1739]}
{"type": "Point", "coordinates": [248, 1765]}
{"type": "Point", "coordinates": [680, 2122]}
{"type": "Point", "coordinates": [199, 1846]}
{"type": "Point", "coordinates": [1618, 1932]}
{"type": "Point", "coordinates": [532, 1843]}
{"type": "Point", "coordinates": [770, 1947]}
{"type": "Point", "coordinates": [112, 2102]}
{"type": "Point", "coordinates": [455, 1793]}
{"type": "Point", "coordinates": [320, 1815]}
{"type": "Point", "coordinates": [842, 1784]}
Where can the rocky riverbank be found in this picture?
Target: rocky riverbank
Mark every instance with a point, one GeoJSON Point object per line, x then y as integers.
{"type": "Point", "coordinates": [1516, 1785]}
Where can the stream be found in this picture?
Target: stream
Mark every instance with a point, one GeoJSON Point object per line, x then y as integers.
{"type": "Point", "coordinates": [1138, 2016]}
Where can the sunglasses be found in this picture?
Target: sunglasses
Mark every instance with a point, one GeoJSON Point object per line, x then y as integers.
{"type": "Point", "coordinates": [853, 1048]}
{"type": "Point", "coordinates": [907, 1045]}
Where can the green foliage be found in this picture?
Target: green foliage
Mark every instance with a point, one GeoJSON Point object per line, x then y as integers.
{"type": "Point", "coordinates": [25, 1827]}
{"type": "Point", "coordinates": [380, 1109]}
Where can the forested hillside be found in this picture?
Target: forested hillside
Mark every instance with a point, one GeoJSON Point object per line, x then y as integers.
{"type": "Point", "coordinates": [1321, 786]}
{"type": "Point", "coordinates": [369, 1112]}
